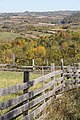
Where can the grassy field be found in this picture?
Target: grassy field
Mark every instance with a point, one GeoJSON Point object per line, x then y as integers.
{"type": "Point", "coordinates": [65, 102]}
{"type": "Point", "coordinates": [8, 36]}
{"type": "Point", "coordinates": [8, 78]}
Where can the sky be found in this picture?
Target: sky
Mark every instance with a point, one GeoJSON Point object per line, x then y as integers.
{"type": "Point", "coordinates": [38, 5]}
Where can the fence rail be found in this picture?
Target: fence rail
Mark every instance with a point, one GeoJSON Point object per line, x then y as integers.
{"type": "Point", "coordinates": [32, 103]}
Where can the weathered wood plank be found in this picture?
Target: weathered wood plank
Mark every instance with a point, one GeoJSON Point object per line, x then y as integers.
{"type": "Point", "coordinates": [58, 72]}
{"type": "Point", "coordinates": [71, 82]}
{"type": "Point", "coordinates": [72, 74]}
{"type": "Point", "coordinates": [15, 88]}
{"type": "Point", "coordinates": [37, 111]}
{"type": "Point", "coordinates": [70, 87]}
{"type": "Point", "coordinates": [24, 97]}
{"type": "Point", "coordinates": [15, 101]}
{"type": "Point", "coordinates": [45, 77]}
{"type": "Point", "coordinates": [59, 87]}
{"type": "Point", "coordinates": [59, 79]}
{"type": "Point", "coordinates": [25, 80]}
{"type": "Point", "coordinates": [25, 107]}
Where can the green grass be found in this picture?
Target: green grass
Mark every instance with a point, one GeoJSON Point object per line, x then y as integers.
{"type": "Point", "coordinates": [8, 78]}
{"type": "Point", "coordinates": [66, 107]}
{"type": "Point", "coordinates": [8, 36]}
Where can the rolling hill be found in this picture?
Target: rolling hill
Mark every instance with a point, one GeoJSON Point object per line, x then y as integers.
{"type": "Point", "coordinates": [74, 18]}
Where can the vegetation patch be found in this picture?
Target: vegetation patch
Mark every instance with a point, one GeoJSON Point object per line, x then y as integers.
{"type": "Point", "coordinates": [66, 107]}
{"type": "Point", "coordinates": [8, 36]}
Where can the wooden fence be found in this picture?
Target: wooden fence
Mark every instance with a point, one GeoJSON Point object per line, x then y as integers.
{"type": "Point", "coordinates": [71, 76]}
{"type": "Point", "coordinates": [35, 69]}
{"type": "Point", "coordinates": [32, 103]}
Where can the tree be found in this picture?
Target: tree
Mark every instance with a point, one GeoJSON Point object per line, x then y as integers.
{"type": "Point", "coordinates": [39, 54]}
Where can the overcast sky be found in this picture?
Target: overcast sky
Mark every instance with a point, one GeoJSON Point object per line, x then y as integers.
{"type": "Point", "coordinates": [38, 5]}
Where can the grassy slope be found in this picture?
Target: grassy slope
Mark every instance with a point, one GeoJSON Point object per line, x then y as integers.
{"type": "Point", "coordinates": [8, 78]}
{"type": "Point", "coordinates": [8, 36]}
{"type": "Point", "coordinates": [67, 107]}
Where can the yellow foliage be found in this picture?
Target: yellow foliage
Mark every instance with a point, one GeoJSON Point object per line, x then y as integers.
{"type": "Point", "coordinates": [39, 51]}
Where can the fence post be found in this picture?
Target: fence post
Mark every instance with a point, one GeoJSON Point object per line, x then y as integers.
{"type": "Point", "coordinates": [13, 59]}
{"type": "Point", "coordinates": [62, 67]}
{"type": "Point", "coordinates": [47, 62]}
{"type": "Point", "coordinates": [42, 70]}
{"type": "Point", "coordinates": [52, 67]}
{"type": "Point", "coordinates": [78, 73]}
{"type": "Point", "coordinates": [25, 79]}
{"type": "Point", "coordinates": [33, 64]}
{"type": "Point", "coordinates": [62, 74]}
{"type": "Point", "coordinates": [74, 74]}
{"type": "Point", "coordinates": [53, 70]}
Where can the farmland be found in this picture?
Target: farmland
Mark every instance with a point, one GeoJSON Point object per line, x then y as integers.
{"type": "Point", "coordinates": [60, 107]}
{"type": "Point", "coordinates": [46, 37]}
{"type": "Point", "coordinates": [29, 35]}
{"type": "Point", "coordinates": [8, 36]}
{"type": "Point", "coordinates": [8, 78]}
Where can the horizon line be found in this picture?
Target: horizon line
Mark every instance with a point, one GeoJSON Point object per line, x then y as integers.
{"type": "Point", "coordinates": [36, 11]}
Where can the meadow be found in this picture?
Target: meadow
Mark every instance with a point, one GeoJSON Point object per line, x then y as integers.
{"type": "Point", "coordinates": [9, 78]}
{"type": "Point", "coordinates": [8, 36]}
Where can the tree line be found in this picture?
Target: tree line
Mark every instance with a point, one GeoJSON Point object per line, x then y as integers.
{"type": "Point", "coordinates": [52, 48]}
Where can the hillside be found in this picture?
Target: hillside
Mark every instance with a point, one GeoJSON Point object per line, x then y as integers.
{"type": "Point", "coordinates": [38, 36]}
{"type": "Point", "coordinates": [35, 17]}
{"type": "Point", "coordinates": [74, 18]}
{"type": "Point", "coordinates": [66, 107]}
